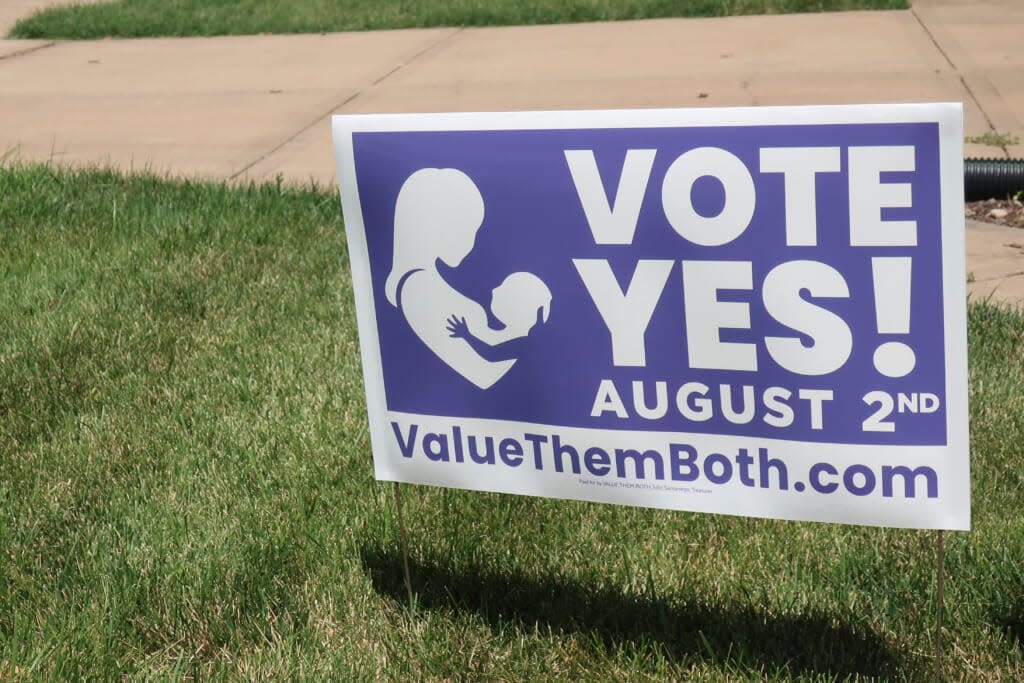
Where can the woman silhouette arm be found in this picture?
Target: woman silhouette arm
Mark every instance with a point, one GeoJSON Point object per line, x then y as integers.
{"type": "Point", "coordinates": [426, 303]}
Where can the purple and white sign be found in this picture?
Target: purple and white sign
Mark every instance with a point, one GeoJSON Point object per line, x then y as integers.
{"type": "Point", "coordinates": [744, 311]}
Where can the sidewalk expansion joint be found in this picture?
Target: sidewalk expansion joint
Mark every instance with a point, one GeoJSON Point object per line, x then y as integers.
{"type": "Point", "coordinates": [961, 70]}
{"type": "Point", "coordinates": [348, 100]}
{"type": "Point", "coordinates": [931, 37]}
{"type": "Point", "coordinates": [428, 48]}
{"type": "Point", "coordinates": [27, 51]}
{"type": "Point", "coordinates": [276, 148]}
{"type": "Point", "coordinates": [995, 278]}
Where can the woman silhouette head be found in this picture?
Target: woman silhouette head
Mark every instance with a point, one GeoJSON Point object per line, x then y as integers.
{"type": "Point", "coordinates": [437, 216]}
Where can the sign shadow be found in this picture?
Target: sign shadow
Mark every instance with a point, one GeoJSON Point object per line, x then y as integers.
{"type": "Point", "coordinates": [1012, 623]}
{"type": "Point", "coordinates": [686, 627]}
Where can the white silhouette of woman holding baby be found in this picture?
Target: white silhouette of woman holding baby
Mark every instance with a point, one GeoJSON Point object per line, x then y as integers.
{"type": "Point", "coordinates": [437, 216]}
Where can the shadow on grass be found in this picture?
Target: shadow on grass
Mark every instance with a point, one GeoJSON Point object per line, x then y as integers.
{"type": "Point", "coordinates": [1012, 623]}
{"type": "Point", "coordinates": [736, 638]}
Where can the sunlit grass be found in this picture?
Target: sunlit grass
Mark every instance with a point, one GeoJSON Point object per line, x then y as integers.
{"type": "Point", "coordinates": [186, 490]}
{"type": "Point", "coordinates": [146, 18]}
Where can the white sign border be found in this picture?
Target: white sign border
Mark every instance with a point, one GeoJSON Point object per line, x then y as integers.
{"type": "Point", "coordinates": [949, 117]}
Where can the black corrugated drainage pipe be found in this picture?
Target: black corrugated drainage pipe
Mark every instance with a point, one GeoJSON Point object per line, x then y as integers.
{"type": "Point", "coordinates": [993, 178]}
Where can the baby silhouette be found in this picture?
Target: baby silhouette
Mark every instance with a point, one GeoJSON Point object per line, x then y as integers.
{"type": "Point", "coordinates": [521, 303]}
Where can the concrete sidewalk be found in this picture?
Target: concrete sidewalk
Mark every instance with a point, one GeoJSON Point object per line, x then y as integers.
{"type": "Point", "coordinates": [256, 107]}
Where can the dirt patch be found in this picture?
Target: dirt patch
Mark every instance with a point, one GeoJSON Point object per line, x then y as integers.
{"type": "Point", "coordinates": [1001, 211]}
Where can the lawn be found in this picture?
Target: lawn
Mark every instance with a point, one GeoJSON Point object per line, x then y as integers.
{"type": "Point", "coordinates": [186, 490]}
{"type": "Point", "coordinates": [147, 18]}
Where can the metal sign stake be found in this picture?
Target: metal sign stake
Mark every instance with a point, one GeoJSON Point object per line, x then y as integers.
{"type": "Point", "coordinates": [405, 544]}
{"type": "Point", "coordinates": [939, 557]}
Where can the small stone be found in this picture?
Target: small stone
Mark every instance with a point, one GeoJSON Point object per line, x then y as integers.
{"type": "Point", "coordinates": [998, 213]}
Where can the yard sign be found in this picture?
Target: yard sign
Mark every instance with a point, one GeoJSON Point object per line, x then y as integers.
{"type": "Point", "coordinates": [744, 311]}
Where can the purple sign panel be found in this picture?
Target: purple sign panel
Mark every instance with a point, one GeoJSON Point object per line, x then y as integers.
{"type": "Point", "coordinates": [746, 311]}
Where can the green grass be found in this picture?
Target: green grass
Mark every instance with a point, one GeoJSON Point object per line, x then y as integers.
{"type": "Point", "coordinates": [147, 18]}
{"type": "Point", "coordinates": [186, 490]}
{"type": "Point", "coordinates": [994, 139]}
